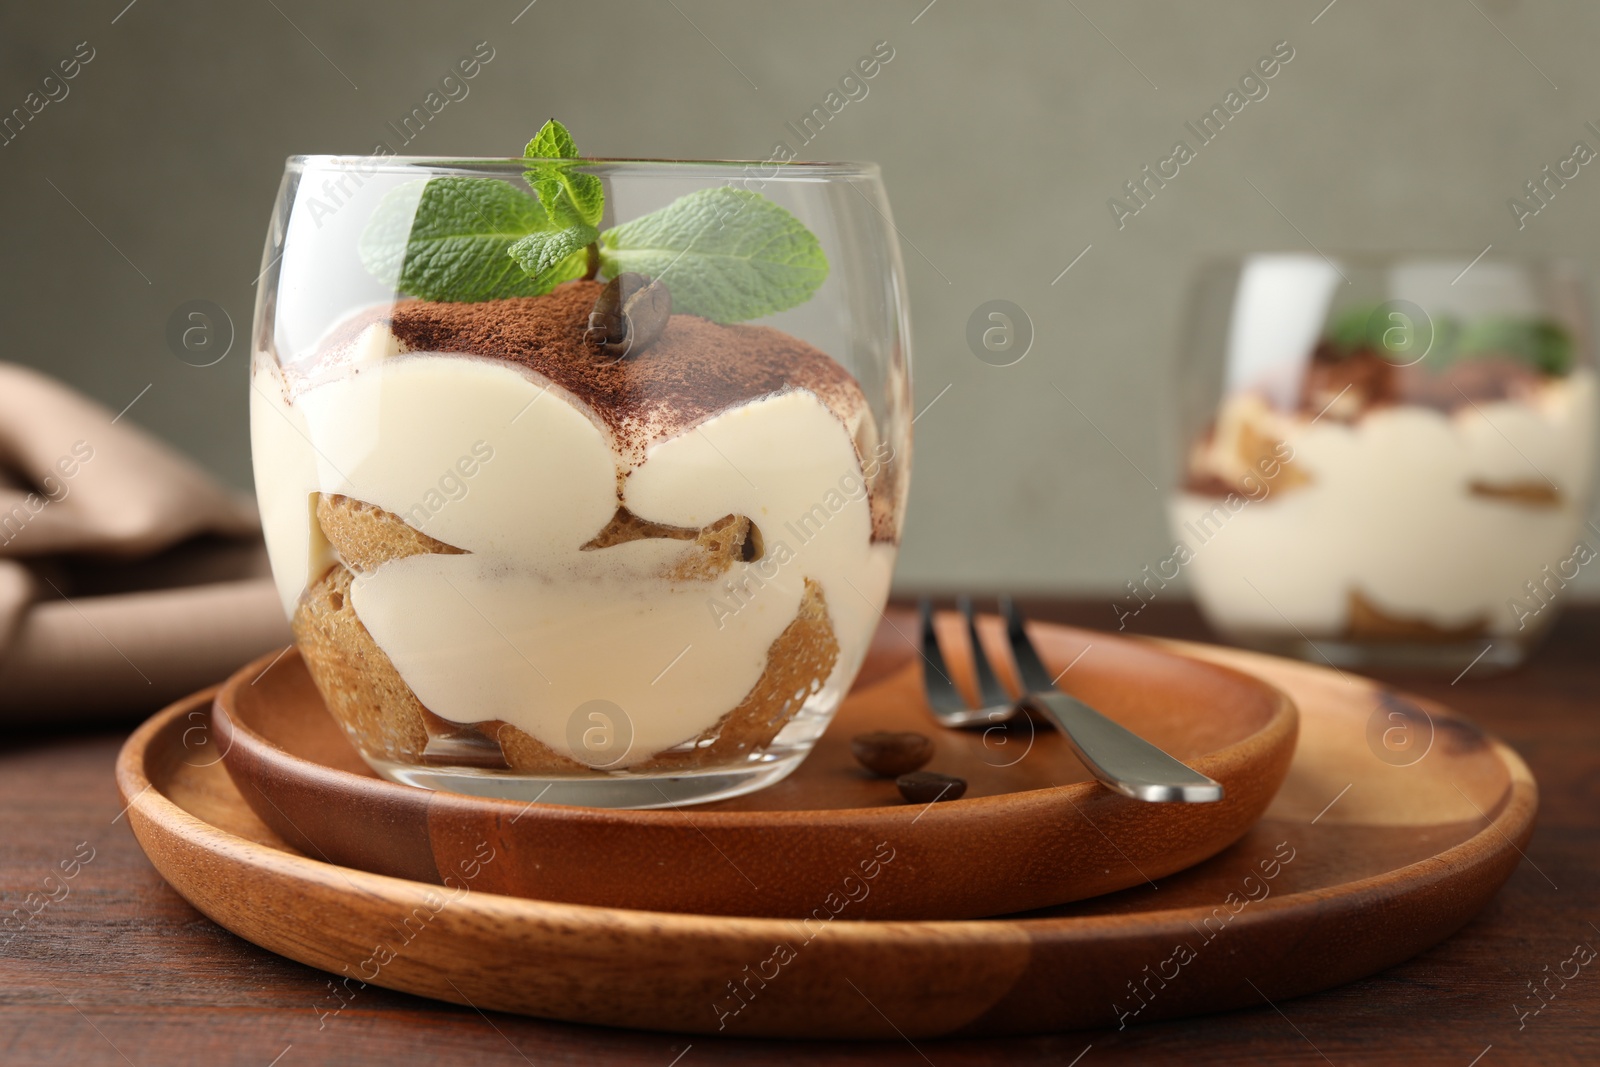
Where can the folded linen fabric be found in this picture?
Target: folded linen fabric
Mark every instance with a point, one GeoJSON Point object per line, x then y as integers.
{"type": "Point", "coordinates": [128, 576]}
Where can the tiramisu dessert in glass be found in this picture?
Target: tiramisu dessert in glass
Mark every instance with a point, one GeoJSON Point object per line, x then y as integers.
{"type": "Point", "coordinates": [1398, 468]}
{"type": "Point", "coordinates": [581, 479]}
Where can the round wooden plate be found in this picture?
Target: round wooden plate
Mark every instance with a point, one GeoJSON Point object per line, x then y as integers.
{"type": "Point", "coordinates": [1034, 829]}
{"type": "Point", "coordinates": [1367, 856]}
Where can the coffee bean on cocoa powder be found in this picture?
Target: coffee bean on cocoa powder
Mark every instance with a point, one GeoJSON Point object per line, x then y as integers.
{"type": "Point", "coordinates": [629, 316]}
{"type": "Point", "coordinates": [889, 754]}
{"type": "Point", "coordinates": [924, 787]}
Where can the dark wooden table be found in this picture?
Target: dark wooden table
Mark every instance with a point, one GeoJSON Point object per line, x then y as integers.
{"type": "Point", "coordinates": [120, 970]}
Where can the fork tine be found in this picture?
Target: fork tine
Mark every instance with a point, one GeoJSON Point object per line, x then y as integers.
{"type": "Point", "coordinates": [1030, 669]}
{"type": "Point", "coordinates": [941, 691]}
{"type": "Point", "coordinates": [990, 692]}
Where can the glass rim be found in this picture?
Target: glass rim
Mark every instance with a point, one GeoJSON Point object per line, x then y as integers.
{"type": "Point", "coordinates": [771, 169]}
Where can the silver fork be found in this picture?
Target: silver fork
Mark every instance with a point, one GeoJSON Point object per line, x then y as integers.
{"type": "Point", "coordinates": [1119, 758]}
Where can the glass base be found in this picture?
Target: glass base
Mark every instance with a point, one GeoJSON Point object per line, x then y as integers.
{"type": "Point", "coordinates": [1485, 656]}
{"type": "Point", "coordinates": [602, 791]}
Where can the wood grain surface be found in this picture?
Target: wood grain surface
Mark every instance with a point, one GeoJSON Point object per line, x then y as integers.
{"type": "Point", "coordinates": [1032, 830]}
{"type": "Point", "coordinates": [117, 969]}
{"type": "Point", "coordinates": [1366, 856]}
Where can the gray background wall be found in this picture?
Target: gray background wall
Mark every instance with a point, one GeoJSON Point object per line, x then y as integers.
{"type": "Point", "coordinates": [1002, 129]}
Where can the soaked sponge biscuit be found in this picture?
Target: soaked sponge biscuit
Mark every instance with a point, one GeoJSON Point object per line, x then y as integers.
{"type": "Point", "coordinates": [710, 550]}
{"type": "Point", "coordinates": [356, 678]}
{"type": "Point", "coordinates": [367, 536]}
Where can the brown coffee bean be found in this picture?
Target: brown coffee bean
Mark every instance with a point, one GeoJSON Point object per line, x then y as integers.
{"type": "Point", "coordinates": [924, 787]}
{"type": "Point", "coordinates": [630, 315]}
{"type": "Point", "coordinates": [890, 754]}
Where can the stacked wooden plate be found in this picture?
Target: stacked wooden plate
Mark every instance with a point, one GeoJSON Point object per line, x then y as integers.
{"type": "Point", "coordinates": [826, 906]}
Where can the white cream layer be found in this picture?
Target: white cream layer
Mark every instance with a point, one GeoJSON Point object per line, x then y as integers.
{"type": "Point", "coordinates": [526, 627]}
{"type": "Point", "coordinates": [1389, 514]}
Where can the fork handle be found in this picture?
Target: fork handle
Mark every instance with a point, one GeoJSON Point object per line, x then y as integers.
{"type": "Point", "coordinates": [1121, 759]}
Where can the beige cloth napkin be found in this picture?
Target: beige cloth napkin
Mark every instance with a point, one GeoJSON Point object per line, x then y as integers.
{"type": "Point", "coordinates": [128, 577]}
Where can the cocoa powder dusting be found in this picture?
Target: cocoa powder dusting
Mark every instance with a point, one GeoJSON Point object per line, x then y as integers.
{"type": "Point", "coordinates": [697, 369]}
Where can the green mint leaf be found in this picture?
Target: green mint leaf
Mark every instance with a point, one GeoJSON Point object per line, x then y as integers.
{"type": "Point", "coordinates": [725, 254]}
{"type": "Point", "coordinates": [449, 239]}
{"type": "Point", "coordinates": [1349, 332]}
{"type": "Point", "coordinates": [554, 256]}
{"type": "Point", "coordinates": [1542, 344]}
{"type": "Point", "coordinates": [555, 194]}
{"type": "Point", "coordinates": [568, 196]}
{"type": "Point", "coordinates": [551, 142]}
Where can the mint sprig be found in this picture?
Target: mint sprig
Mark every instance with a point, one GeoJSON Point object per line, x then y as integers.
{"type": "Point", "coordinates": [725, 254]}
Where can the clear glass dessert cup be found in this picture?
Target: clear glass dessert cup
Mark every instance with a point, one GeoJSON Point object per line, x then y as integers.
{"type": "Point", "coordinates": [580, 504]}
{"type": "Point", "coordinates": [1386, 462]}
